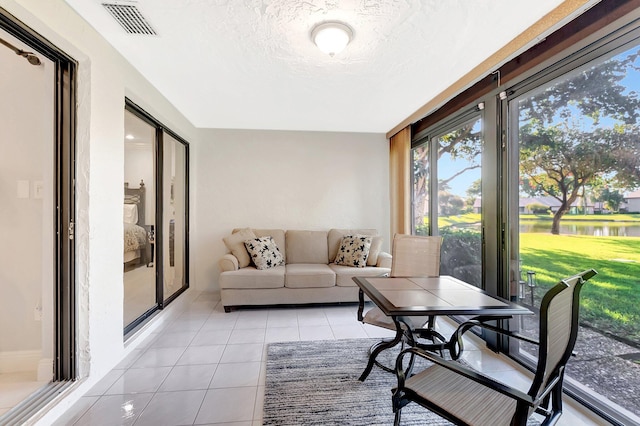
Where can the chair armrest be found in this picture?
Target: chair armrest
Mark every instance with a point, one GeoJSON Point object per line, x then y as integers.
{"type": "Point", "coordinates": [228, 262]}
{"type": "Point", "coordinates": [464, 371]}
{"type": "Point", "coordinates": [456, 345]}
{"type": "Point", "coordinates": [384, 260]}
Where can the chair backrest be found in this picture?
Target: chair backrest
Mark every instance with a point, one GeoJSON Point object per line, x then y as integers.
{"type": "Point", "coordinates": [558, 329]}
{"type": "Point", "coordinates": [415, 256]}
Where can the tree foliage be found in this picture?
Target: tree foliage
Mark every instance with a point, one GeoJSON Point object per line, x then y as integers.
{"type": "Point", "coordinates": [463, 144]}
{"type": "Point", "coordinates": [611, 198]}
{"type": "Point", "coordinates": [580, 132]}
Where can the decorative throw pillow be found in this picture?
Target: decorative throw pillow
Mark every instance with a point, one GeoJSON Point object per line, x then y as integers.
{"type": "Point", "coordinates": [235, 244]}
{"type": "Point", "coordinates": [354, 250]}
{"type": "Point", "coordinates": [264, 252]}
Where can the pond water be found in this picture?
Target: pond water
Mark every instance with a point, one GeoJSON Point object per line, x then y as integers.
{"type": "Point", "coordinates": [600, 229]}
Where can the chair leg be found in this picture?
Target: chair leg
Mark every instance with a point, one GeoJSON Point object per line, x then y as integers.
{"type": "Point", "coordinates": [396, 421]}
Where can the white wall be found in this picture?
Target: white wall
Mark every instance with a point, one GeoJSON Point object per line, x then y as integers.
{"type": "Point", "coordinates": [288, 180]}
{"type": "Point", "coordinates": [104, 79]}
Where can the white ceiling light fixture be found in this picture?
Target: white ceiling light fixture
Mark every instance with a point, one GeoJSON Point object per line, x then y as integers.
{"type": "Point", "coordinates": [331, 37]}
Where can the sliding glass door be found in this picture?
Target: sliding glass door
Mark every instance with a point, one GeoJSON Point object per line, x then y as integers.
{"type": "Point", "coordinates": [574, 191]}
{"type": "Point", "coordinates": [37, 221]}
{"type": "Point", "coordinates": [447, 164]}
{"type": "Point", "coordinates": [156, 216]}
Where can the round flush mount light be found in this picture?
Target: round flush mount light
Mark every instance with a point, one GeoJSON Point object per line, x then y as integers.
{"type": "Point", "coordinates": [331, 37]}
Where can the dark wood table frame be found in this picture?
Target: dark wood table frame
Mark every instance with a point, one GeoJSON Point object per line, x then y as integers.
{"type": "Point", "coordinates": [429, 296]}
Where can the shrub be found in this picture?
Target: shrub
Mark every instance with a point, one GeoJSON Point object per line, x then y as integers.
{"type": "Point", "coordinates": [537, 208]}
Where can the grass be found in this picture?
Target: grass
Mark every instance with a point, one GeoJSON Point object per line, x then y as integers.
{"type": "Point", "coordinates": [461, 219]}
{"type": "Point", "coordinates": [611, 300]}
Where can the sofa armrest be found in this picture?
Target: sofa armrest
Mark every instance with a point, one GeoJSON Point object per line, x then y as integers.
{"type": "Point", "coordinates": [228, 262]}
{"type": "Point", "coordinates": [384, 260]}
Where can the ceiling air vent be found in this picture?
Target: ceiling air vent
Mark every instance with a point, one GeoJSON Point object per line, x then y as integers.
{"type": "Point", "coordinates": [130, 18]}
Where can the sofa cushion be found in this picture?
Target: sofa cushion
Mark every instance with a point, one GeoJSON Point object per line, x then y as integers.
{"type": "Point", "coordinates": [264, 252]}
{"type": "Point", "coordinates": [345, 274]}
{"type": "Point", "coordinates": [307, 247]}
{"type": "Point", "coordinates": [354, 251]}
{"type": "Point", "coordinates": [374, 251]}
{"type": "Point", "coordinates": [235, 244]}
{"type": "Point", "coordinates": [335, 238]}
{"type": "Point", "coordinates": [305, 275]}
{"type": "Point", "coordinates": [250, 277]}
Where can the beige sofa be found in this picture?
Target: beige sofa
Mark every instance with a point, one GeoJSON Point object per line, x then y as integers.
{"type": "Point", "coordinates": [309, 274]}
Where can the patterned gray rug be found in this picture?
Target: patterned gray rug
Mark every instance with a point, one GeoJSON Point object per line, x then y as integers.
{"type": "Point", "coordinates": [316, 383]}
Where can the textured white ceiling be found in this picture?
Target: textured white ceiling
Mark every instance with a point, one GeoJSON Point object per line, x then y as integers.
{"type": "Point", "coordinates": [250, 64]}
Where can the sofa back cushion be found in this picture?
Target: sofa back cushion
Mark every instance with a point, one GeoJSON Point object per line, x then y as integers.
{"type": "Point", "coordinates": [278, 237]}
{"type": "Point", "coordinates": [307, 247]}
{"type": "Point", "coordinates": [235, 244]}
{"type": "Point", "coordinates": [335, 238]}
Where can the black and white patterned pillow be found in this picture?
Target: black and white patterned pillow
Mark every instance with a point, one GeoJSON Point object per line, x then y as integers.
{"type": "Point", "coordinates": [354, 250]}
{"type": "Point", "coordinates": [264, 252]}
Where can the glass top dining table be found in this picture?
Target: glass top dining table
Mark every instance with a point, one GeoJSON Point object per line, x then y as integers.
{"type": "Point", "coordinates": [429, 296]}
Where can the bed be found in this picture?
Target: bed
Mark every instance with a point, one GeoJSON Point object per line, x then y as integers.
{"type": "Point", "coordinates": [136, 237]}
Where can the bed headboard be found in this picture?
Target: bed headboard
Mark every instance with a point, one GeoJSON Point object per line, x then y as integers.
{"type": "Point", "coordinates": [136, 196]}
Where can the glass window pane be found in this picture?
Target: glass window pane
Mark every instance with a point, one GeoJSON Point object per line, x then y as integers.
{"type": "Point", "coordinates": [139, 217]}
{"type": "Point", "coordinates": [421, 189]}
{"type": "Point", "coordinates": [459, 201]}
{"type": "Point", "coordinates": [174, 214]}
{"type": "Point", "coordinates": [28, 176]}
{"type": "Point", "coordinates": [579, 182]}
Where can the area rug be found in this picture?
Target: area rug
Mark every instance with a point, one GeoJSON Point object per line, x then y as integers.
{"type": "Point", "coordinates": [316, 383]}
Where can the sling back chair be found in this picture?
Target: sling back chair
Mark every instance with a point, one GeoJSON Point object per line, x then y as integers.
{"type": "Point", "coordinates": [468, 397]}
{"type": "Point", "coordinates": [412, 256]}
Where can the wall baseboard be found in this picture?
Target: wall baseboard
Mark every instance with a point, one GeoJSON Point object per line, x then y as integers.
{"type": "Point", "coordinates": [19, 361]}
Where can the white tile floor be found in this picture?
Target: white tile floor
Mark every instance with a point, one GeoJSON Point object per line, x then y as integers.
{"type": "Point", "coordinates": [207, 367]}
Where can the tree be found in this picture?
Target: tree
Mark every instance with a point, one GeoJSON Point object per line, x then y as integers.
{"type": "Point", "coordinates": [611, 198]}
{"type": "Point", "coordinates": [449, 204]}
{"type": "Point", "coordinates": [564, 145]}
{"type": "Point", "coordinates": [463, 143]}
{"type": "Point", "coordinates": [473, 192]}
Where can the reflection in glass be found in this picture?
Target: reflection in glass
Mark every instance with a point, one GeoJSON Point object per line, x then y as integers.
{"type": "Point", "coordinates": [174, 214]}
{"type": "Point", "coordinates": [139, 218]}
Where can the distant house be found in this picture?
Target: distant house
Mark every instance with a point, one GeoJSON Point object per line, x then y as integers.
{"type": "Point", "coordinates": [580, 206]}
{"type": "Point", "coordinates": [632, 201]}
{"type": "Point", "coordinates": [477, 205]}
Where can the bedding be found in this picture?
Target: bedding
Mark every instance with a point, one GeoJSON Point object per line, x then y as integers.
{"type": "Point", "coordinates": [135, 237]}
{"type": "Point", "coordinates": [130, 213]}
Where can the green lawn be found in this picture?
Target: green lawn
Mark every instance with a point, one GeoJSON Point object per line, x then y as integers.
{"type": "Point", "coordinates": [610, 300]}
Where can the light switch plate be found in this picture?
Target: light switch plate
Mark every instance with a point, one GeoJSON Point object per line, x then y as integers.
{"type": "Point", "coordinates": [38, 189]}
